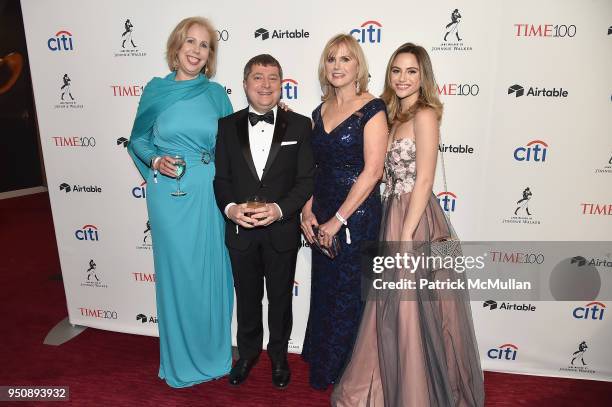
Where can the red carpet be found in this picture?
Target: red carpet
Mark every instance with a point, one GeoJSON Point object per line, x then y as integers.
{"type": "Point", "coordinates": [106, 368]}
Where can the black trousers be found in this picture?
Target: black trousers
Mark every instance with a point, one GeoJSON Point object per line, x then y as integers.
{"type": "Point", "coordinates": [249, 268]}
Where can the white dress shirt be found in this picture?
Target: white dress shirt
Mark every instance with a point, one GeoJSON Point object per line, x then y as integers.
{"type": "Point", "coordinates": [260, 141]}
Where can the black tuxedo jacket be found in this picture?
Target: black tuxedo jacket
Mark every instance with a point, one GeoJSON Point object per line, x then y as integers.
{"type": "Point", "coordinates": [287, 177]}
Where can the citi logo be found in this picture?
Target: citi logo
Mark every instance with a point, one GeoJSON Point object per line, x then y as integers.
{"type": "Point", "coordinates": [61, 42]}
{"type": "Point", "coordinates": [535, 150]}
{"type": "Point", "coordinates": [368, 32]}
{"type": "Point", "coordinates": [447, 201]}
{"type": "Point", "coordinates": [289, 89]}
{"type": "Point", "coordinates": [87, 232]}
{"type": "Point", "coordinates": [122, 141]}
{"type": "Point", "coordinates": [144, 277]}
{"type": "Point", "coordinates": [457, 89]}
{"type": "Point", "coordinates": [140, 191]}
{"type": "Point", "coordinates": [144, 319]}
{"type": "Point", "coordinates": [296, 287]}
{"type": "Point", "coordinates": [545, 30]}
{"type": "Point", "coordinates": [98, 313]}
{"type": "Point", "coordinates": [264, 34]}
{"type": "Point", "coordinates": [592, 311]}
{"type": "Point", "coordinates": [493, 305]}
{"type": "Point", "coordinates": [79, 188]}
{"type": "Point", "coordinates": [506, 351]}
{"type": "Point", "coordinates": [518, 91]}
{"type": "Point", "coordinates": [596, 209]}
{"type": "Point", "coordinates": [129, 90]}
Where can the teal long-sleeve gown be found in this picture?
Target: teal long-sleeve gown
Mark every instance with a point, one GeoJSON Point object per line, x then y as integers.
{"type": "Point", "coordinates": [194, 288]}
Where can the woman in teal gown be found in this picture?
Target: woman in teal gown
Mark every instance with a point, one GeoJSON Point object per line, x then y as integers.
{"type": "Point", "coordinates": [178, 115]}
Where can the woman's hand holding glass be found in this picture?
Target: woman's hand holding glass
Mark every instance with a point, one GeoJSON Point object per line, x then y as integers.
{"type": "Point", "coordinates": [166, 166]}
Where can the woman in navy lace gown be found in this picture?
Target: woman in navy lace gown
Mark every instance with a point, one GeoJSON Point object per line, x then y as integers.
{"type": "Point", "coordinates": [349, 142]}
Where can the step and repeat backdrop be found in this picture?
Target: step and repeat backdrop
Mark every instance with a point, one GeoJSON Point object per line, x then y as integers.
{"type": "Point", "coordinates": [526, 137]}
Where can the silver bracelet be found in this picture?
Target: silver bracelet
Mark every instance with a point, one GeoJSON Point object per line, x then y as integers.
{"type": "Point", "coordinates": [346, 230]}
{"type": "Point", "coordinates": [341, 219]}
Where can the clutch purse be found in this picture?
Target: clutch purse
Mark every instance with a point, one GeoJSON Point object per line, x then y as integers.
{"type": "Point", "coordinates": [331, 251]}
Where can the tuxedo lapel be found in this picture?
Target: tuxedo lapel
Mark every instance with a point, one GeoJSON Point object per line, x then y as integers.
{"type": "Point", "coordinates": [279, 134]}
{"type": "Point", "coordinates": [242, 131]}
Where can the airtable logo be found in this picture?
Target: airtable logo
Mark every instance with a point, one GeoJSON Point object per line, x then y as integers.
{"type": "Point", "coordinates": [289, 89]}
{"type": "Point", "coordinates": [507, 306]}
{"type": "Point", "coordinates": [518, 91]}
{"type": "Point", "coordinates": [295, 33]}
{"type": "Point", "coordinates": [122, 141]}
{"type": "Point", "coordinates": [369, 32]}
{"type": "Point", "coordinates": [582, 261]}
{"type": "Point", "coordinates": [62, 41]}
{"type": "Point", "coordinates": [144, 319]}
{"type": "Point", "coordinates": [79, 188]}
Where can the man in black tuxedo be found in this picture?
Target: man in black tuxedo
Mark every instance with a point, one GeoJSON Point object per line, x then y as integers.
{"type": "Point", "coordinates": [263, 151]}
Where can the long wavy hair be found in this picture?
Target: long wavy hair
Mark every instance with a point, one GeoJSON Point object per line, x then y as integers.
{"type": "Point", "coordinates": [428, 91]}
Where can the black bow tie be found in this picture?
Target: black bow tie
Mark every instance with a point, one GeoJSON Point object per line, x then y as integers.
{"type": "Point", "coordinates": [254, 118]}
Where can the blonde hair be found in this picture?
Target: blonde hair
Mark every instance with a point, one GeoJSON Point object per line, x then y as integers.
{"type": "Point", "coordinates": [428, 92]}
{"type": "Point", "coordinates": [177, 38]}
{"type": "Point", "coordinates": [355, 51]}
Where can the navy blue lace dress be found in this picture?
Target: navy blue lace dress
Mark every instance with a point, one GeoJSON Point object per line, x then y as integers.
{"type": "Point", "coordinates": [336, 304]}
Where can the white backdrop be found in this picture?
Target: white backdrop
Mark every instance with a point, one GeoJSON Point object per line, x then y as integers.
{"type": "Point", "coordinates": [486, 72]}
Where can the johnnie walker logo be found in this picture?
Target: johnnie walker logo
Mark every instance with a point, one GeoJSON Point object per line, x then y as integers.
{"type": "Point", "coordinates": [452, 39]}
{"type": "Point", "coordinates": [523, 214]}
{"type": "Point", "coordinates": [129, 44]}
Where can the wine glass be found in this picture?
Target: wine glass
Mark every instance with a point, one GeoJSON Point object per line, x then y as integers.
{"type": "Point", "coordinates": [181, 167]}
